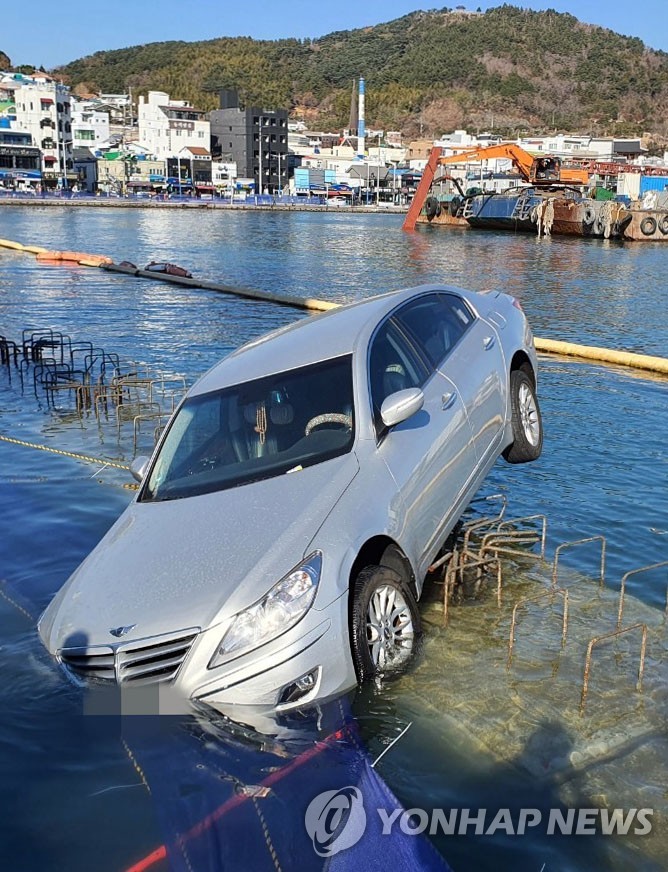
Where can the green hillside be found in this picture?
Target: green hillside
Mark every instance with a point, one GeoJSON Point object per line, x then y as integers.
{"type": "Point", "coordinates": [510, 68]}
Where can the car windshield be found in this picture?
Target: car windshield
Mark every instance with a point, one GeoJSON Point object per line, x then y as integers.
{"type": "Point", "coordinates": [271, 426]}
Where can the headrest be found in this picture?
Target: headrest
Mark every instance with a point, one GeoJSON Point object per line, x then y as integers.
{"type": "Point", "coordinates": [250, 412]}
{"type": "Point", "coordinates": [278, 413]}
{"type": "Point", "coordinates": [281, 413]}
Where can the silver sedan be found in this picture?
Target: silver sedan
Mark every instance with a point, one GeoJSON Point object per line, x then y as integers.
{"type": "Point", "coordinates": [279, 541]}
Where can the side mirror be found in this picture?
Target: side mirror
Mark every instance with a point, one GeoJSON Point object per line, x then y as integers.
{"type": "Point", "coordinates": [401, 405]}
{"type": "Point", "coordinates": [139, 466]}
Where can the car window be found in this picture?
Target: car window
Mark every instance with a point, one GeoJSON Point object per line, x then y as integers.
{"type": "Point", "coordinates": [394, 364]}
{"type": "Point", "coordinates": [254, 430]}
{"type": "Point", "coordinates": [436, 322]}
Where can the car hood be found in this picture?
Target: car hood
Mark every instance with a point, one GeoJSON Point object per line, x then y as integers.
{"type": "Point", "coordinates": [194, 562]}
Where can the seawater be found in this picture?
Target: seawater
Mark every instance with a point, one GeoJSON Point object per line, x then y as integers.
{"type": "Point", "coordinates": [603, 471]}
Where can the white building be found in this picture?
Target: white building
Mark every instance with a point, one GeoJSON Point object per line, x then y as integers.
{"type": "Point", "coordinates": [43, 110]}
{"type": "Point", "coordinates": [119, 107]}
{"type": "Point", "coordinates": [90, 124]}
{"type": "Point", "coordinates": [167, 126]}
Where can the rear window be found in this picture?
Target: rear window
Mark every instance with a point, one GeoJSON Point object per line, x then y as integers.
{"type": "Point", "coordinates": [436, 322]}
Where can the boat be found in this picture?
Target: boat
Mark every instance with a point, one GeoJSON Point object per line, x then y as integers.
{"type": "Point", "coordinates": [170, 269]}
{"type": "Point", "coordinates": [561, 211]}
{"type": "Point", "coordinates": [649, 218]}
{"type": "Point", "coordinates": [549, 199]}
{"type": "Point", "coordinates": [647, 225]}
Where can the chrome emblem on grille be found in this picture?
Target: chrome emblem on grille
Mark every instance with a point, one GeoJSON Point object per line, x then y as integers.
{"type": "Point", "coordinates": [121, 631]}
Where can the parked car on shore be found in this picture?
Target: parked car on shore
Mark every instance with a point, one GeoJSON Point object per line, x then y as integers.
{"type": "Point", "coordinates": [278, 544]}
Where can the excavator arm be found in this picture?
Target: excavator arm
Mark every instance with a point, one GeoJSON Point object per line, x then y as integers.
{"type": "Point", "coordinates": [423, 189]}
{"type": "Point", "coordinates": [521, 159]}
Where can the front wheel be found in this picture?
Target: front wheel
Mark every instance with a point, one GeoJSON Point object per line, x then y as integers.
{"type": "Point", "coordinates": [385, 623]}
{"type": "Point", "coordinates": [527, 422]}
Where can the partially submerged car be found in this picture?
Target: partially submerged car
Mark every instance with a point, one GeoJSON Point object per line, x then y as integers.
{"type": "Point", "coordinates": [279, 541]}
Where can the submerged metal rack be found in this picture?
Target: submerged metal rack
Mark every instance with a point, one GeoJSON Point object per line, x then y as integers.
{"type": "Point", "coordinates": [487, 548]}
{"type": "Point", "coordinates": [59, 367]}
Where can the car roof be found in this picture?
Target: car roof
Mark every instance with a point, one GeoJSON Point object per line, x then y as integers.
{"type": "Point", "coordinates": [309, 340]}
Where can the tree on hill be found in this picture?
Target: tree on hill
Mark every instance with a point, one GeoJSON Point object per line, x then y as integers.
{"type": "Point", "coordinates": [436, 68]}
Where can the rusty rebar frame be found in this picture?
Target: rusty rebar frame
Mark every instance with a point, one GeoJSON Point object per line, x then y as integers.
{"type": "Point", "coordinates": [606, 636]}
{"type": "Point", "coordinates": [551, 593]}
{"type": "Point", "coordinates": [622, 590]}
{"type": "Point", "coordinates": [151, 416]}
{"type": "Point", "coordinates": [564, 545]}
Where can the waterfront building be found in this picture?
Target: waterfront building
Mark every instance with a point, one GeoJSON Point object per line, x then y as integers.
{"type": "Point", "coordinates": [199, 161]}
{"type": "Point", "coordinates": [147, 174]}
{"type": "Point", "coordinates": [85, 166]}
{"type": "Point", "coordinates": [255, 138]}
{"type": "Point", "coordinates": [43, 109]}
{"type": "Point", "coordinates": [167, 126]}
{"type": "Point", "coordinates": [20, 161]}
{"type": "Point", "coordinates": [127, 171]}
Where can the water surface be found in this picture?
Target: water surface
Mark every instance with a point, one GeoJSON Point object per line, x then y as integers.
{"type": "Point", "coordinates": [603, 471]}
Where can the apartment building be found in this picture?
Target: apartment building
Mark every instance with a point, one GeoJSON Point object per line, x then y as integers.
{"type": "Point", "coordinates": [254, 138]}
{"type": "Point", "coordinates": [43, 109]}
{"type": "Point", "coordinates": [90, 124]}
{"type": "Point", "coordinates": [167, 126]}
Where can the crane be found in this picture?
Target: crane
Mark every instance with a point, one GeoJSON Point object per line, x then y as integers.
{"type": "Point", "coordinates": [541, 171]}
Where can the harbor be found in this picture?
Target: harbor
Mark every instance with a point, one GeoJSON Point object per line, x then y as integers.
{"type": "Point", "coordinates": [602, 473]}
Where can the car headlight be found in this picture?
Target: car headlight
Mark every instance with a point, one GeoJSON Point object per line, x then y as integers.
{"type": "Point", "coordinates": [285, 604]}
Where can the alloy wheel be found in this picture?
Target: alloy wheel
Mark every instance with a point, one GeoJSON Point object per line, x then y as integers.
{"type": "Point", "coordinates": [529, 414]}
{"type": "Point", "coordinates": [389, 628]}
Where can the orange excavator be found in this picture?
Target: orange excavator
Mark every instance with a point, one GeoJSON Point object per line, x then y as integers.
{"type": "Point", "coordinates": [540, 171]}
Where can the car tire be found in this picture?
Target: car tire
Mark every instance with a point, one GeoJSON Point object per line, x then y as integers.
{"type": "Point", "coordinates": [527, 422]}
{"type": "Point", "coordinates": [385, 623]}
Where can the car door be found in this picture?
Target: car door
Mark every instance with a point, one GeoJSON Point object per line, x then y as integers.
{"type": "Point", "coordinates": [475, 362]}
{"type": "Point", "coordinates": [429, 456]}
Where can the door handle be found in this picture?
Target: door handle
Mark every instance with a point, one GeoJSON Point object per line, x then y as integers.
{"type": "Point", "coordinates": [447, 400]}
{"type": "Point", "coordinates": [488, 342]}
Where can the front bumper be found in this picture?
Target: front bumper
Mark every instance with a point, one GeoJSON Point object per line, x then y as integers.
{"type": "Point", "coordinates": [317, 646]}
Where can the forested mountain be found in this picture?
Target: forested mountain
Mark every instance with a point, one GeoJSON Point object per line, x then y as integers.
{"type": "Point", "coordinates": [509, 68]}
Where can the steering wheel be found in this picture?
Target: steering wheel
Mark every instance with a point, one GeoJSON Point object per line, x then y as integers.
{"type": "Point", "coordinates": [329, 418]}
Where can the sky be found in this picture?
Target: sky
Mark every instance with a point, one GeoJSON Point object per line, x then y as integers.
{"type": "Point", "coordinates": [47, 33]}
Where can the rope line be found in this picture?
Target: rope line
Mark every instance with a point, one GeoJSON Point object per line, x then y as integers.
{"type": "Point", "coordinates": [136, 765]}
{"type": "Point", "coordinates": [16, 605]}
{"type": "Point", "coordinates": [265, 833]}
{"type": "Point", "coordinates": [85, 457]}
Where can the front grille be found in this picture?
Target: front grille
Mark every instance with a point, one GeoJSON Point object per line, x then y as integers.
{"type": "Point", "coordinates": [151, 660]}
{"type": "Point", "coordinates": [93, 663]}
{"type": "Point", "coordinates": [145, 660]}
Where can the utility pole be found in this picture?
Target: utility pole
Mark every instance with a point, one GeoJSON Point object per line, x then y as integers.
{"type": "Point", "coordinates": [259, 180]}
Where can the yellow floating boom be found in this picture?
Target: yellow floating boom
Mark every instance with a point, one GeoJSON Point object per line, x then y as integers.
{"type": "Point", "coordinates": [547, 346]}
{"type": "Point", "coordinates": [603, 355]}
